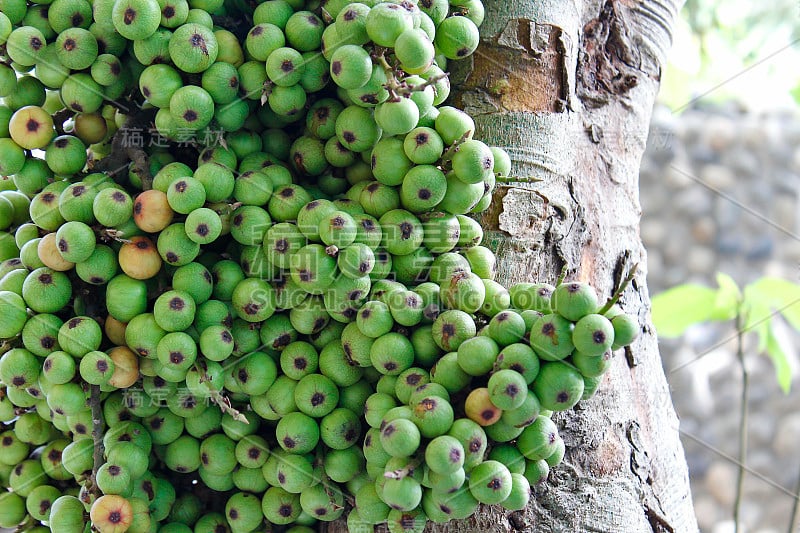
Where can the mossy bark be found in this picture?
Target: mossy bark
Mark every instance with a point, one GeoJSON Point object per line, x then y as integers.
{"type": "Point", "coordinates": [567, 88]}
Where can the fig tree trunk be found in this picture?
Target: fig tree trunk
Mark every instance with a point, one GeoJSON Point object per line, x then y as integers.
{"type": "Point", "coordinates": [567, 88]}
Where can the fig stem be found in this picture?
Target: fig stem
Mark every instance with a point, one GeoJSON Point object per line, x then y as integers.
{"type": "Point", "coordinates": [517, 179]}
{"type": "Point", "coordinates": [222, 401]}
{"type": "Point", "coordinates": [6, 346]}
{"type": "Point", "coordinates": [562, 276]}
{"type": "Point", "coordinates": [451, 151]}
{"type": "Point", "coordinates": [407, 89]}
{"type": "Point", "coordinates": [401, 473]}
{"type": "Point", "coordinates": [392, 84]}
{"type": "Point", "coordinates": [618, 293]}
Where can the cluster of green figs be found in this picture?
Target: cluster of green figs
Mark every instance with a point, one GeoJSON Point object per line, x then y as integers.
{"type": "Point", "coordinates": [279, 313]}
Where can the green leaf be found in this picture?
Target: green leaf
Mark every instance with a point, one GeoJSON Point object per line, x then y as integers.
{"type": "Point", "coordinates": [776, 352]}
{"type": "Point", "coordinates": [676, 309]}
{"type": "Point", "coordinates": [777, 295]}
{"type": "Point", "coordinates": [795, 92]}
{"type": "Point", "coordinates": [757, 318]}
{"type": "Point", "coordinates": [726, 304]}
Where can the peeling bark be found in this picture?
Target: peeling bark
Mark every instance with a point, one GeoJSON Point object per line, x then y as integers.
{"type": "Point", "coordinates": [567, 88]}
{"type": "Point", "coordinates": [524, 54]}
{"type": "Point", "coordinates": [607, 65]}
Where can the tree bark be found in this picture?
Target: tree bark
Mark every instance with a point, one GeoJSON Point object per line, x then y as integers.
{"type": "Point", "coordinates": [567, 88]}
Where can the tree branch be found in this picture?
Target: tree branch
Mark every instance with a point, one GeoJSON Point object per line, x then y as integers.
{"type": "Point", "coordinates": [795, 507]}
{"type": "Point", "coordinates": [740, 330]}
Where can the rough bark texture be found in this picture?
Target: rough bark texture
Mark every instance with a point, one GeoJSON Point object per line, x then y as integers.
{"type": "Point", "coordinates": [567, 87]}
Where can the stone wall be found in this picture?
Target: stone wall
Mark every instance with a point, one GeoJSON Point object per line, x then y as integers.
{"type": "Point", "coordinates": [719, 192]}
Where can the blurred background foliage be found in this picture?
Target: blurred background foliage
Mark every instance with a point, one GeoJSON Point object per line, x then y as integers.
{"type": "Point", "coordinates": [735, 50]}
